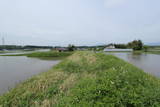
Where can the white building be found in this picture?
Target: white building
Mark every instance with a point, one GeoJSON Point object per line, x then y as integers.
{"type": "Point", "coordinates": [112, 48]}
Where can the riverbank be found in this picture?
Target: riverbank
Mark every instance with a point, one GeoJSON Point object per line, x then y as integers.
{"type": "Point", "coordinates": [1, 52]}
{"type": "Point", "coordinates": [45, 55]}
{"type": "Point", "coordinates": [147, 62]}
{"type": "Point", "coordinates": [153, 52]}
{"type": "Point", "coordinates": [148, 52]}
{"type": "Point", "coordinates": [87, 79]}
{"type": "Point", "coordinates": [139, 52]}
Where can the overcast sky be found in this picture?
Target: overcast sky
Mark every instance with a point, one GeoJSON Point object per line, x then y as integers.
{"type": "Point", "coordinates": [79, 22]}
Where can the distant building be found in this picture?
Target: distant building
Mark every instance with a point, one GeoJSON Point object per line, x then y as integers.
{"type": "Point", "coordinates": [111, 48]}
{"type": "Point", "coordinates": [61, 49]}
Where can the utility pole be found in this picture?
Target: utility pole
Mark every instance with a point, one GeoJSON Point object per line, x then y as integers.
{"type": "Point", "coordinates": [3, 41]}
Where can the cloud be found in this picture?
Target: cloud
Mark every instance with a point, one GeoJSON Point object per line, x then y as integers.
{"type": "Point", "coordinates": [114, 3]}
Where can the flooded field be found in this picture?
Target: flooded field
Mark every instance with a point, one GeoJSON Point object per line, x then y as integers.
{"type": "Point", "coordinates": [148, 62]}
{"type": "Point", "coordinates": [19, 68]}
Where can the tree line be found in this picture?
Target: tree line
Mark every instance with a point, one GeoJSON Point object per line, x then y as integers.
{"type": "Point", "coordinates": [12, 47]}
{"type": "Point", "coordinates": [135, 45]}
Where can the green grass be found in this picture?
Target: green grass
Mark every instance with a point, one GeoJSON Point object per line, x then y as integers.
{"type": "Point", "coordinates": [1, 51]}
{"type": "Point", "coordinates": [49, 54]}
{"type": "Point", "coordinates": [45, 55]}
{"type": "Point", "coordinates": [148, 52]}
{"type": "Point", "coordinates": [87, 79]}
{"type": "Point", "coordinates": [154, 52]}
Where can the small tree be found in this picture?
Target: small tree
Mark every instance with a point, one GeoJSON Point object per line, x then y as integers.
{"type": "Point", "coordinates": [71, 47]}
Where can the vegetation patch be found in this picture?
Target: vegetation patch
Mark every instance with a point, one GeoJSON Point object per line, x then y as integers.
{"type": "Point", "coordinates": [49, 54]}
{"type": "Point", "coordinates": [87, 79]}
{"type": "Point", "coordinates": [45, 55]}
{"type": "Point", "coordinates": [154, 52]}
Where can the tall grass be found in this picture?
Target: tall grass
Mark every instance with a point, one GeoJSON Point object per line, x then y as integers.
{"type": "Point", "coordinates": [87, 79]}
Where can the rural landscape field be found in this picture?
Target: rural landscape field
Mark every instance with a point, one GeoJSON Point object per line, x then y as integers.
{"type": "Point", "coordinates": [79, 53]}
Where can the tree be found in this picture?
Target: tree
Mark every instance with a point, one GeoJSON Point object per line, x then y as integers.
{"type": "Point", "coordinates": [71, 47]}
{"type": "Point", "coordinates": [140, 45]}
{"type": "Point", "coordinates": [120, 46]}
{"type": "Point", "coordinates": [136, 45]}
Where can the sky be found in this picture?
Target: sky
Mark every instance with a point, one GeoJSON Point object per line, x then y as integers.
{"type": "Point", "coordinates": [78, 22]}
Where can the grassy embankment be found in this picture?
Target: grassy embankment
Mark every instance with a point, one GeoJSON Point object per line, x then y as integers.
{"type": "Point", "coordinates": [139, 52]}
{"type": "Point", "coordinates": [45, 55]}
{"type": "Point", "coordinates": [153, 50]}
{"type": "Point", "coordinates": [87, 79]}
{"type": "Point", "coordinates": [148, 52]}
{"type": "Point", "coordinates": [5, 51]}
{"type": "Point", "coordinates": [1, 52]}
{"type": "Point", "coordinates": [50, 55]}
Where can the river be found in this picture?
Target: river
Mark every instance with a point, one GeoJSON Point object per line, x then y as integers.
{"type": "Point", "coordinates": [14, 69]}
{"type": "Point", "coordinates": [148, 62]}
